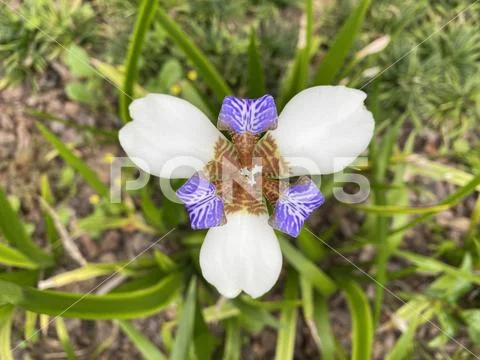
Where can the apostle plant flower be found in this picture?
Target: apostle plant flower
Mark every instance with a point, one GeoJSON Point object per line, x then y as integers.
{"type": "Point", "coordinates": [320, 131]}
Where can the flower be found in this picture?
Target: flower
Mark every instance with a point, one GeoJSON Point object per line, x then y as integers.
{"type": "Point", "coordinates": [320, 131]}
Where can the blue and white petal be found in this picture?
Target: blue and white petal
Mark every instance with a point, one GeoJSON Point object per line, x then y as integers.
{"type": "Point", "coordinates": [168, 133]}
{"type": "Point", "coordinates": [323, 129]}
{"type": "Point", "coordinates": [242, 255]}
{"type": "Point", "coordinates": [295, 205]}
{"type": "Point", "coordinates": [248, 115]}
{"type": "Point", "coordinates": [205, 208]}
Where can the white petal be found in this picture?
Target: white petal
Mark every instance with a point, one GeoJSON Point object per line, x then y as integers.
{"type": "Point", "coordinates": [325, 126]}
{"type": "Point", "coordinates": [243, 254]}
{"type": "Point", "coordinates": [167, 129]}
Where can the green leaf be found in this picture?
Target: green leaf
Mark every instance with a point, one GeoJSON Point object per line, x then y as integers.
{"type": "Point", "coordinates": [171, 73]}
{"type": "Point", "coordinates": [288, 321]}
{"type": "Point", "coordinates": [325, 334]}
{"type": "Point", "coordinates": [115, 76]}
{"type": "Point", "coordinates": [450, 200]}
{"type": "Point", "coordinates": [419, 165]}
{"type": "Point", "coordinates": [86, 272]}
{"type": "Point", "coordinates": [203, 340]}
{"type": "Point", "coordinates": [50, 229]}
{"type": "Point", "coordinates": [432, 265]}
{"type": "Point", "coordinates": [389, 210]}
{"type": "Point", "coordinates": [75, 162]}
{"type": "Point", "coordinates": [472, 319]}
{"type": "Point", "coordinates": [45, 116]}
{"type": "Point", "coordinates": [15, 233]}
{"type": "Point", "coordinates": [288, 87]}
{"type": "Point", "coordinates": [362, 321]}
{"type": "Point", "coordinates": [145, 16]}
{"type": "Point", "coordinates": [11, 257]}
{"type": "Point", "coordinates": [304, 67]}
{"type": "Point", "coordinates": [203, 66]}
{"type": "Point", "coordinates": [64, 338]}
{"type": "Point", "coordinates": [186, 324]}
{"type": "Point", "coordinates": [255, 74]}
{"type": "Point", "coordinates": [79, 91]}
{"type": "Point", "coordinates": [20, 277]}
{"type": "Point", "coordinates": [6, 316]}
{"type": "Point", "coordinates": [404, 346]}
{"type": "Point", "coordinates": [331, 64]}
{"type": "Point", "coordinates": [233, 343]}
{"type": "Point", "coordinates": [191, 94]}
{"type": "Point", "coordinates": [30, 332]}
{"type": "Point", "coordinates": [78, 61]}
{"type": "Point", "coordinates": [305, 267]}
{"type": "Point", "coordinates": [148, 349]}
{"type": "Point", "coordinates": [128, 305]}
{"type": "Point", "coordinates": [253, 317]}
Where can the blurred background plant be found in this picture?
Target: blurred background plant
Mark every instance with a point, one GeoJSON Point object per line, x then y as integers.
{"type": "Point", "coordinates": [395, 278]}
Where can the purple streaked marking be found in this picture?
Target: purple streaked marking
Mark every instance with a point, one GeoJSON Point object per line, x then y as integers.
{"type": "Point", "coordinates": [252, 115]}
{"type": "Point", "coordinates": [295, 205]}
{"type": "Point", "coordinates": [204, 206]}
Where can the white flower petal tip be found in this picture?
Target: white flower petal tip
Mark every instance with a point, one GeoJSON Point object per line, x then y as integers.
{"type": "Point", "coordinates": [170, 135]}
{"type": "Point", "coordinates": [242, 255]}
{"type": "Point", "coordinates": [323, 129]}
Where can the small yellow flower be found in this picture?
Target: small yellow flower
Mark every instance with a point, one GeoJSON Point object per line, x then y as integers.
{"type": "Point", "coordinates": [192, 75]}
{"type": "Point", "coordinates": [108, 158]}
{"type": "Point", "coordinates": [94, 199]}
{"type": "Point", "coordinates": [175, 89]}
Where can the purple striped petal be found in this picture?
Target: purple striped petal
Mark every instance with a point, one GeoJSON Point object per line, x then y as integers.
{"type": "Point", "coordinates": [252, 115]}
{"type": "Point", "coordinates": [204, 206]}
{"type": "Point", "coordinates": [295, 205]}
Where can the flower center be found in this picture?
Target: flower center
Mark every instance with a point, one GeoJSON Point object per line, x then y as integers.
{"type": "Point", "coordinates": [250, 174]}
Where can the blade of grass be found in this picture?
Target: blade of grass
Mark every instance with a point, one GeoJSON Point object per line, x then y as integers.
{"type": "Point", "coordinates": [44, 116]}
{"type": "Point", "coordinates": [50, 230]}
{"type": "Point", "coordinates": [233, 344]}
{"type": "Point", "coordinates": [145, 16]}
{"type": "Point", "coordinates": [64, 338]}
{"type": "Point", "coordinates": [325, 334]}
{"type": "Point", "coordinates": [336, 55]}
{"type": "Point", "coordinates": [404, 345]}
{"type": "Point", "coordinates": [255, 74]}
{"type": "Point", "coordinates": [305, 267]}
{"type": "Point", "coordinates": [432, 265]}
{"type": "Point", "coordinates": [203, 340]}
{"type": "Point", "coordinates": [419, 165]}
{"type": "Point", "coordinates": [86, 272]}
{"type": "Point", "coordinates": [6, 316]}
{"type": "Point", "coordinates": [288, 321]}
{"type": "Point", "coordinates": [450, 200]}
{"type": "Point", "coordinates": [75, 162]}
{"type": "Point", "coordinates": [129, 305]}
{"type": "Point", "coordinates": [389, 210]}
{"type": "Point", "coordinates": [30, 327]}
{"type": "Point", "coordinates": [362, 321]}
{"type": "Point", "coordinates": [11, 257]}
{"type": "Point", "coordinates": [12, 228]}
{"type": "Point", "coordinates": [148, 350]}
{"type": "Point", "coordinates": [288, 86]}
{"type": "Point", "coordinates": [21, 277]}
{"type": "Point", "coordinates": [379, 231]}
{"type": "Point", "coordinates": [115, 76]}
{"type": "Point", "coordinates": [186, 324]}
{"type": "Point", "coordinates": [304, 66]}
{"type": "Point", "coordinates": [203, 66]}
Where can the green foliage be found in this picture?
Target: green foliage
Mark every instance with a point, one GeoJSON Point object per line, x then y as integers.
{"type": "Point", "coordinates": [202, 51]}
{"type": "Point", "coordinates": [35, 34]}
{"type": "Point", "coordinates": [438, 83]}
